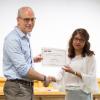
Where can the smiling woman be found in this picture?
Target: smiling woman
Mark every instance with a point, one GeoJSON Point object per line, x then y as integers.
{"type": "Point", "coordinates": [79, 74]}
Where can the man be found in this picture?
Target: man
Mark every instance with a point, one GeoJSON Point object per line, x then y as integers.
{"type": "Point", "coordinates": [17, 59]}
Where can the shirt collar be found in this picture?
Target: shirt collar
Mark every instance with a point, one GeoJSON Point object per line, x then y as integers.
{"type": "Point", "coordinates": [21, 34]}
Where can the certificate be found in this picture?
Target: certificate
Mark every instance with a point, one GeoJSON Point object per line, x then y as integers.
{"type": "Point", "coordinates": [53, 57]}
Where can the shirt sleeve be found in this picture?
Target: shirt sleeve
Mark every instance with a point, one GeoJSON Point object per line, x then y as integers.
{"type": "Point", "coordinates": [89, 78]}
{"type": "Point", "coordinates": [14, 52]}
{"type": "Point", "coordinates": [60, 81]}
{"type": "Point", "coordinates": [59, 75]}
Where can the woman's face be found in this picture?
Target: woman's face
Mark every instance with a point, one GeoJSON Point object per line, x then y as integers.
{"type": "Point", "coordinates": [78, 42]}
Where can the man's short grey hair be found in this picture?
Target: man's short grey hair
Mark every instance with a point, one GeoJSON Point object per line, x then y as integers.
{"type": "Point", "coordinates": [20, 10]}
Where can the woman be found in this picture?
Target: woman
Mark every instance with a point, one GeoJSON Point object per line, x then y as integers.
{"type": "Point", "coordinates": [80, 73]}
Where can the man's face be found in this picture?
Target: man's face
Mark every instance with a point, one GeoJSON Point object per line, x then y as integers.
{"type": "Point", "coordinates": [26, 21]}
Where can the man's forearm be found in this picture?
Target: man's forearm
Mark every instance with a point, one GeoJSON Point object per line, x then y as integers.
{"type": "Point", "coordinates": [34, 75]}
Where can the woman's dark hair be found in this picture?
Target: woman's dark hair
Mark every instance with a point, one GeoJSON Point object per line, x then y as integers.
{"type": "Point", "coordinates": [86, 50]}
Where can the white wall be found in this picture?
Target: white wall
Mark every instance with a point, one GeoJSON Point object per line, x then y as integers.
{"type": "Point", "coordinates": [55, 22]}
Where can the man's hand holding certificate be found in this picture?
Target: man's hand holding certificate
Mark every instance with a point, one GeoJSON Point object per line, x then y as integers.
{"type": "Point", "coordinates": [53, 57]}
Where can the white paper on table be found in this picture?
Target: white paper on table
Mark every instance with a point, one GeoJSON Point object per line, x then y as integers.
{"type": "Point", "coordinates": [53, 57]}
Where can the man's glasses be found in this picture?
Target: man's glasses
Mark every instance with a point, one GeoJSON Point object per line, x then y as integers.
{"type": "Point", "coordinates": [28, 19]}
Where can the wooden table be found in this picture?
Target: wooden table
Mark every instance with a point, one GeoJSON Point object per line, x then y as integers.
{"type": "Point", "coordinates": [48, 94]}
{"type": "Point", "coordinates": [96, 96]}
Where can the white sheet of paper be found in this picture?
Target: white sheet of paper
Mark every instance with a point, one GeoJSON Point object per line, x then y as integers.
{"type": "Point", "coordinates": [53, 57]}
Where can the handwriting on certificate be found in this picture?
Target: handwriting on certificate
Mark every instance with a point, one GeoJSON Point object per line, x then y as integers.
{"type": "Point", "coordinates": [53, 57]}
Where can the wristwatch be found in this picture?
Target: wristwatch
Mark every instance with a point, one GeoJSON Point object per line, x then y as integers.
{"type": "Point", "coordinates": [44, 78]}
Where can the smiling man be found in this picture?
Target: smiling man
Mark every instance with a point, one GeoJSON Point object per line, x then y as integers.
{"type": "Point", "coordinates": [18, 63]}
